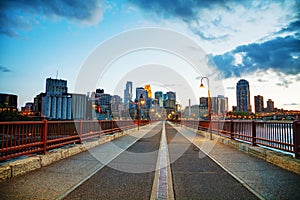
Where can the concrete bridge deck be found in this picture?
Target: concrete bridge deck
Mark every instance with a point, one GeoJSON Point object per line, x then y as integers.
{"type": "Point", "coordinates": [158, 162]}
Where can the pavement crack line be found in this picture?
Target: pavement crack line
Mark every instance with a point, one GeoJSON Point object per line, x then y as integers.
{"type": "Point", "coordinates": [162, 185]}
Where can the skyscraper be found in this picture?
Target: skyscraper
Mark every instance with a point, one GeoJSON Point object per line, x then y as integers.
{"type": "Point", "coordinates": [171, 96]}
{"type": "Point", "coordinates": [128, 93]}
{"type": "Point", "coordinates": [243, 96]}
{"type": "Point", "coordinates": [159, 98]}
{"type": "Point", "coordinates": [270, 105]}
{"type": "Point", "coordinates": [219, 105]}
{"type": "Point", "coordinates": [148, 88]}
{"type": "Point", "coordinates": [259, 104]}
{"type": "Point", "coordinates": [141, 91]}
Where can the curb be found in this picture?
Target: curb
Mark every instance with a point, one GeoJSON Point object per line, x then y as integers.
{"type": "Point", "coordinates": [284, 161]}
{"type": "Point", "coordinates": [23, 166]}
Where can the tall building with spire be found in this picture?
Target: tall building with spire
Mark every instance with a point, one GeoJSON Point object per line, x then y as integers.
{"type": "Point", "coordinates": [243, 95]}
{"type": "Point", "coordinates": [128, 93]}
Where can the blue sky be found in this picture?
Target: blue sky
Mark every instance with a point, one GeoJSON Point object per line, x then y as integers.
{"type": "Point", "coordinates": [255, 40]}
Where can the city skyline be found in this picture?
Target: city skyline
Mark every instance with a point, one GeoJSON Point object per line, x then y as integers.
{"type": "Point", "coordinates": [256, 41]}
{"type": "Point", "coordinates": [59, 87]}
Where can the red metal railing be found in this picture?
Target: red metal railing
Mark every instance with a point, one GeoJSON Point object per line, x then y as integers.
{"type": "Point", "coordinates": [23, 138]}
{"type": "Point", "coordinates": [283, 136]}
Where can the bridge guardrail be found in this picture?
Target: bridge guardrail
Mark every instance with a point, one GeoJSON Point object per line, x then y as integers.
{"type": "Point", "coordinates": [284, 136]}
{"type": "Point", "coordinates": [24, 138]}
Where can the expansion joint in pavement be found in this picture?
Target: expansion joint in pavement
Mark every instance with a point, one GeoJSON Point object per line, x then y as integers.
{"type": "Point", "coordinates": [162, 184]}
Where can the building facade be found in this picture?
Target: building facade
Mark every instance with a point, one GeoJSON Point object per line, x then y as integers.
{"type": "Point", "coordinates": [258, 104]}
{"type": "Point", "coordinates": [270, 106]}
{"type": "Point", "coordinates": [219, 105]}
{"type": "Point", "coordinates": [159, 98]}
{"type": "Point", "coordinates": [243, 96]}
{"type": "Point", "coordinates": [141, 91]}
{"type": "Point", "coordinates": [58, 104]}
{"type": "Point", "coordinates": [8, 102]}
{"type": "Point", "coordinates": [128, 93]}
{"type": "Point", "coordinates": [148, 89]}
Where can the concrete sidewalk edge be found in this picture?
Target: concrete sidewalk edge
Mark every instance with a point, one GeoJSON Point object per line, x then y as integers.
{"type": "Point", "coordinates": [284, 161]}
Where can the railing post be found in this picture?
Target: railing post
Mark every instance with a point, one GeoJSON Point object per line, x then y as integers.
{"type": "Point", "coordinates": [218, 127]}
{"type": "Point", "coordinates": [253, 133]}
{"type": "Point", "coordinates": [231, 130]}
{"type": "Point", "coordinates": [45, 133]}
{"type": "Point", "coordinates": [296, 138]}
{"type": "Point", "coordinates": [80, 130]}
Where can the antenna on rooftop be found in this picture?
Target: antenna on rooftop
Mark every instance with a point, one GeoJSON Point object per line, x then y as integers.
{"type": "Point", "coordinates": [56, 74]}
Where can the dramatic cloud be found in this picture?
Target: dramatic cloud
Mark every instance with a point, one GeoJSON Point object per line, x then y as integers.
{"type": "Point", "coordinates": [280, 54]}
{"type": "Point", "coordinates": [4, 69]}
{"type": "Point", "coordinates": [218, 20]}
{"type": "Point", "coordinates": [18, 15]}
{"type": "Point", "coordinates": [293, 26]}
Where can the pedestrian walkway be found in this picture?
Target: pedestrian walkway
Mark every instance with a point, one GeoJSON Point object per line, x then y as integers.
{"type": "Point", "coordinates": [265, 180]}
{"type": "Point", "coordinates": [57, 180]}
{"type": "Point", "coordinates": [95, 174]}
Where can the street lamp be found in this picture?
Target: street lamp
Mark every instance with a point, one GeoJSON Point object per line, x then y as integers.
{"type": "Point", "coordinates": [208, 103]}
{"type": "Point", "coordinates": [140, 102]}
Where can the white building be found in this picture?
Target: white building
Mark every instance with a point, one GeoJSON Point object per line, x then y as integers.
{"type": "Point", "coordinates": [59, 104]}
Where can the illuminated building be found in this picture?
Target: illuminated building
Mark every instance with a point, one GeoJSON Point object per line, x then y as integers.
{"type": "Point", "coordinates": [8, 102]}
{"type": "Point", "coordinates": [148, 89]}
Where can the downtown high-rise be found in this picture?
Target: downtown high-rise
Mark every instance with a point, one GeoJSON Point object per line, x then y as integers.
{"type": "Point", "coordinates": [258, 104]}
{"type": "Point", "coordinates": [128, 93]}
{"type": "Point", "coordinates": [243, 96]}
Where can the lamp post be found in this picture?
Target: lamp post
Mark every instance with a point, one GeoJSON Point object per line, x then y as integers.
{"type": "Point", "coordinates": [140, 102]}
{"type": "Point", "coordinates": [208, 104]}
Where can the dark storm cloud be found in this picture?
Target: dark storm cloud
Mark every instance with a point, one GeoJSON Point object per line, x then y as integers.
{"type": "Point", "coordinates": [4, 69]}
{"type": "Point", "coordinates": [280, 54]}
{"type": "Point", "coordinates": [18, 15]}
